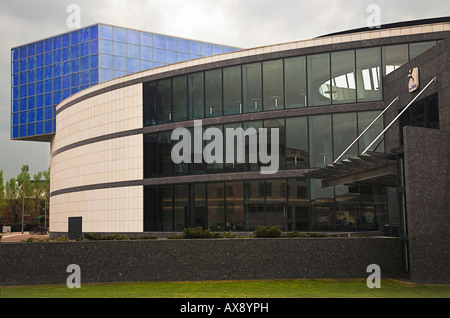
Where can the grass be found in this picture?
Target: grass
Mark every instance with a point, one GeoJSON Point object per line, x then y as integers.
{"type": "Point", "coordinates": [356, 288]}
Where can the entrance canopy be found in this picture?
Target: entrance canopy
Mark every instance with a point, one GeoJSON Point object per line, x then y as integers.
{"type": "Point", "coordinates": [369, 168]}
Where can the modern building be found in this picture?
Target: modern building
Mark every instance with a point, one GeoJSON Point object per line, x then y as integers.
{"type": "Point", "coordinates": [46, 72]}
{"type": "Point", "coordinates": [362, 119]}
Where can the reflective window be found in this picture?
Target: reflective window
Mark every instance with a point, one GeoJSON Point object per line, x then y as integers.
{"type": "Point", "coordinates": [319, 86]}
{"type": "Point", "coordinates": [251, 142]}
{"type": "Point", "coordinates": [320, 141]}
{"type": "Point", "coordinates": [394, 56]}
{"type": "Point", "coordinates": [295, 82]}
{"type": "Point", "coordinates": [164, 154]}
{"type": "Point", "coordinates": [150, 155]}
{"type": "Point", "coordinates": [273, 85]}
{"type": "Point", "coordinates": [415, 49]}
{"type": "Point", "coordinates": [276, 124]}
{"type": "Point", "coordinates": [297, 155]}
{"type": "Point", "coordinates": [235, 147]}
{"type": "Point", "coordinates": [199, 215]}
{"type": "Point", "coordinates": [164, 101]}
{"type": "Point", "coordinates": [235, 218]}
{"type": "Point", "coordinates": [298, 205]}
{"type": "Point", "coordinates": [195, 96]}
{"type": "Point", "coordinates": [251, 87]}
{"type": "Point", "coordinates": [254, 204]}
{"type": "Point", "coordinates": [344, 133]}
{"type": "Point", "coordinates": [368, 63]}
{"type": "Point", "coordinates": [322, 207]}
{"type": "Point", "coordinates": [213, 93]}
{"type": "Point", "coordinates": [364, 120]}
{"type": "Point", "coordinates": [275, 207]}
{"type": "Point", "coordinates": [165, 215]}
{"type": "Point", "coordinates": [347, 208]}
{"type": "Point", "coordinates": [180, 207]}
{"type": "Point", "coordinates": [150, 104]}
{"type": "Point", "coordinates": [179, 98]}
{"type": "Point", "coordinates": [216, 206]}
{"type": "Point", "coordinates": [343, 77]}
{"type": "Point", "coordinates": [232, 99]}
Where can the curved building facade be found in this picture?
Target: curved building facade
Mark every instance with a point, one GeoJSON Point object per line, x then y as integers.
{"type": "Point", "coordinates": [229, 142]}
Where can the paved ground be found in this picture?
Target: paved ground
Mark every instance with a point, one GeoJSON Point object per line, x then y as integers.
{"type": "Point", "coordinates": [18, 236]}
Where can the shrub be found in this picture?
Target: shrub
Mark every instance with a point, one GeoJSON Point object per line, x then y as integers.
{"type": "Point", "coordinates": [198, 233]}
{"type": "Point", "coordinates": [99, 237]}
{"type": "Point", "coordinates": [265, 232]}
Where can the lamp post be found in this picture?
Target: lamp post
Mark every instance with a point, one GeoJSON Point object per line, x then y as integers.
{"type": "Point", "coordinates": [23, 202]}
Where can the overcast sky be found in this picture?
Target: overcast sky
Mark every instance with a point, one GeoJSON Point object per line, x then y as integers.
{"type": "Point", "coordinates": [241, 23]}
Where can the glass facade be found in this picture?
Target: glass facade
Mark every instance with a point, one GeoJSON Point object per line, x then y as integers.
{"type": "Point", "coordinates": [334, 78]}
{"type": "Point", "coordinates": [46, 72]}
{"type": "Point", "coordinates": [293, 204]}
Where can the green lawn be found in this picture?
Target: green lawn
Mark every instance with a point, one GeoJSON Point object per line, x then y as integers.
{"type": "Point", "coordinates": [235, 289]}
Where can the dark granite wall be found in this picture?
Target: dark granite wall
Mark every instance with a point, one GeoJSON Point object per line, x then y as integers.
{"type": "Point", "coordinates": [194, 260]}
{"type": "Point", "coordinates": [427, 170]}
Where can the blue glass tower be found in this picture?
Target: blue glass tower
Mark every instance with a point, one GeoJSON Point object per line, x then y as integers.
{"type": "Point", "coordinates": [46, 72]}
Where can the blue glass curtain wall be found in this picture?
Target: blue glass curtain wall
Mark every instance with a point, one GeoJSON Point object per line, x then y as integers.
{"type": "Point", "coordinates": [46, 72]}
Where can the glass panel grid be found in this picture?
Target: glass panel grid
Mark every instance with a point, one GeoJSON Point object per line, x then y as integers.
{"type": "Point", "coordinates": [48, 71]}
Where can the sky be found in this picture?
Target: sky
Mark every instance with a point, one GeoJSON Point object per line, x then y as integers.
{"type": "Point", "coordinates": [240, 23]}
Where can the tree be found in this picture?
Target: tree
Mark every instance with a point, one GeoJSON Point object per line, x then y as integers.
{"type": "Point", "coordinates": [2, 195]}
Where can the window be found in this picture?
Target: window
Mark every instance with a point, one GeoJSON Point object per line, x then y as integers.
{"type": "Point", "coordinates": [320, 141]}
{"type": "Point", "coordinates": [298, 205]}
{"type": "Point", "coordinates": [213, 93]}
{"type": "Point", "coordinates": [273, 85]}
{"type": "Point", "coordinates": [295, 82]}
{"type": "Point", "coordinates": [394, 56]}
{"type": "Point", "coordinates": [254, 204]}
{"type": "Point", "coordinates": [216, 206]}
{"type": "Point", "coordinates": [319, 85]}
{"type": "Point", "coordinates": [297, 155]}
{"type": "Point", "coordinates": [344, 133]}
{"type": "Point", "coordinates": [150, 104]}
{"type": "Point", "coordinates": [415, 49]}
{"type": "Point", "coordinates": [164, 101]}
{"type": "Point", "coordinates": [179, 98]}
{"type": "Point", "coordinates": [364, 120]}
{"type": "Point", "coordinates": [181, 207]}
{"type": "Point", "coordinates": [235, 219]}
{"type": "Point", "coordinates": [195, 96]}
{"type": "Point", "coordinates": [343, 77]}
{"type": "Point", "coordinates": [424, 113]}
{"type": "Point", "coordinates": [251, 87]}
{"type": "Point", "coordinates": [232, 99]}
{"type": "Point", "coordinates": [275, 207]}
{"type": "Point", "coordinates": [322, 207]}
{"type": "Point", "coordinates": [368, 63]}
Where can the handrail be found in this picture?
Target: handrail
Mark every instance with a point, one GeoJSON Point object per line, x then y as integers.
{"type": "Point", "coordinates": [365, 130]}
{"type": "Point", "coordinates": [399, 115]}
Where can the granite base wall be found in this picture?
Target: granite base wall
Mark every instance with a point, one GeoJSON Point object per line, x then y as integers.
{"type": "Point", "coordinates": [197, 260]}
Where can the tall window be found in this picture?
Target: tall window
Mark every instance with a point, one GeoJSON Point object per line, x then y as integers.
{"type": "Point", "coordinates": [297, 152]}
{"type": "Point", "coordinates": [251, 87]}
{"type": "Point", "coordinates": [343, 77]}
{"type": "Point", "coordinates": [368, 64]}
{"type": "Point", "coordinates": [213, 93]}
{"type": "Point", "coordinates": [273, 85]}
{"type": "Point", "coordinates": [179, 98]}
{"type": "Point", "coordinates": [319, 84]}
{"type": "Point", "coordinates": [394, 56]}
{"type": "Point", "coordinates": [232, 99]}
{"type": "Point", "coordinates": [196, 105]}
{"type": "Point", "coordinates": [320, 141]}
{"type": "Point", "coordinates": [295, 82]}
{"type": "Point", "coordinates": [345, 129]}
{"type": "Point", "coordinates": [216, 206]}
